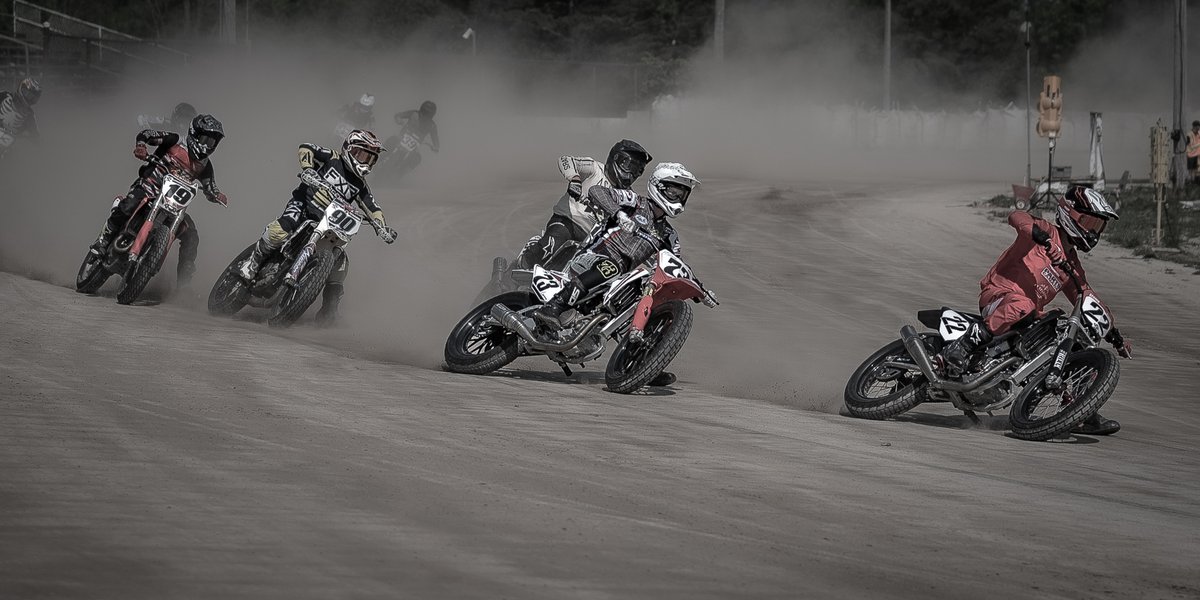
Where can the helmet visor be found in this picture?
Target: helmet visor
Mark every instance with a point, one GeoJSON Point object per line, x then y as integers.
{"type": "Point", "coordinates": [631, 164]}
{"type": "Point", "coordinates": [675, 193]}
{"type": "Point", "coordinates": [363, 156]}
{"type": "Point", "coordinates": [1092, 224]}
{"type": "Point", "coordinates": [207, 140]}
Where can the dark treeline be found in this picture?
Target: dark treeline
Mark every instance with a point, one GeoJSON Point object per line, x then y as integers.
{"type": "Point", "coordinates": [948, 44]}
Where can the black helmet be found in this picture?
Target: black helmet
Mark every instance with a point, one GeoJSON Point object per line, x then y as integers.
{"type": "Point", "coordinates": [183, 113]}
{"type": "Point", "coordinates": [428, 109]}
{"type": "Point", "coordinates": [626, 162]}
{"type": "Point", "coordinates": [29, 91]}
{"type": "Point", "coordinates": [203, 136]}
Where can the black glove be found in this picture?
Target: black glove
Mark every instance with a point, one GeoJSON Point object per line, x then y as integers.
{"type": "Point", "coordinates": [575, 188]}
{"type": "Point", "coordinates": [1040, 236]}
{"type": "Point", "coordinates": [1123, 347]}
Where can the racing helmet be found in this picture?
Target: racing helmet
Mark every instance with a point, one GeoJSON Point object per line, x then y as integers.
{"type": "Point", "coordinates": [365, 102]}
{"type": "Point", "coordinates": [669, 187]}
{"type": "Point", "coordinates": [203, 136]}
{"type": "Point", "coordinates": [183, 113]}
{"type": "Point", "coordinates": [361, 151]}
{"type": "Point", "coordinates": [626, 162]}
{"type": "Point", "coordinates": [1082, 215]}
{"type": "Point", "coordinates": [29, 91]}
{"type": "Point", "coordinates": [428, 109]}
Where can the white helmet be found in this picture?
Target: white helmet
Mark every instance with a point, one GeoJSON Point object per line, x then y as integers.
{"type": "Point", "coordinates": [367, 100]}
{"type": "Point", "coordinates": [669, 187]}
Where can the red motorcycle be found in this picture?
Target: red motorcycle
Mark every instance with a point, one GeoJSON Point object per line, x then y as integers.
{"type": "Point", "coordinates": [139, 249]}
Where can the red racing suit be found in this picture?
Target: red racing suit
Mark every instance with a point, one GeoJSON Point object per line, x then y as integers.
{"type": "Point", "coordinates": [1023, 280]}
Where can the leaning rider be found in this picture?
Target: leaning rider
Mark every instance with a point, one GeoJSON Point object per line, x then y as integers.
{"type": "Point", "coordinates": [323, 171]}
{"type": "Point", "coordinates": [1028, 276]}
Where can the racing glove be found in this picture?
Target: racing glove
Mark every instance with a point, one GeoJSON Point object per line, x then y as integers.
{"type": "Point", "coordinates": [1123, 347]}
{"type": "Point", "coordinates": [141, 151]}
{"type": "Point", "coordinates": [221, 199]}
{"type": "Point", "coordinates": [575, 188]}
{"type": "Point", "coordinates": [709, 299]}
{"type": "Point", "coordinates": [387, 234]}
{"type": "Point", "coordinates": [625, 223]}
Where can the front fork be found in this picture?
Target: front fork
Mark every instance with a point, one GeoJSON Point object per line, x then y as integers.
{"type": "Point", "coordinates": [293, 274]}
{"type": "Point", "coordinates": [1054, 379]}
{"type": "Point", "coordinates": [641, 314]}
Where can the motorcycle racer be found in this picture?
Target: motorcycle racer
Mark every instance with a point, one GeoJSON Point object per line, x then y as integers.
{"type": "Point", "coordinates": [573, 217]}
{"type": "Point", "coordinates": [189, 160]}
{"type": "Point", "coordinates": [322, 169]}
{"type": "Point", "coordinates": [361, 114]}
{"type": "Point", "coordinates": [643, 231]}
{"type": "Point", "coordinates": [16, 111]}
{"type": "Point", "coordinates": [1028, 276]}
{"type": "Point", "coordinates": [179, 120]}
{"type": "Point", "coordinates": [423, 126]}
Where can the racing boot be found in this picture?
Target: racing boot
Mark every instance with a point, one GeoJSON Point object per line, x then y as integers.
{"type": "Point", "coordinates": [250, 266]}
{"type": "Point", "coordinates": [958, 352]}
{"type": "Point", "coordinates": [1097, 425]}
{"type": "Point", "coordinates": [550, 314]}
{"type": "Point", "coordinates": [99, 246]}
{"type": "Point", "coordinates": [663, 379]}
{"type": "Point", "coordinates": [330, 296]}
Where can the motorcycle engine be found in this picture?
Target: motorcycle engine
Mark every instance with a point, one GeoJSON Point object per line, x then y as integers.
{"type": "Point", "coordinates": [587, 349]}
{"type": "Point", "coordinates": [1003, 391]}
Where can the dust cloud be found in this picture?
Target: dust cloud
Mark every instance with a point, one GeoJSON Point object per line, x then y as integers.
{"type": "Point", "coordinates": [767, 118]}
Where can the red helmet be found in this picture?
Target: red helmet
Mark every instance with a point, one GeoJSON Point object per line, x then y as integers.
{"type": "Point", "coordinates": [1082, 214]}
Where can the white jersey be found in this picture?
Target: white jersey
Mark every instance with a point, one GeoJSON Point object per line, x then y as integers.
{"type": "Point", "coordinates": [590, 173]}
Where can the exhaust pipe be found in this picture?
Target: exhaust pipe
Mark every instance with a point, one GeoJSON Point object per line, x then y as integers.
{"type": "Point", "coordinates": [916, 349]}
{"type": "Point", "coordinates": [510, 320]}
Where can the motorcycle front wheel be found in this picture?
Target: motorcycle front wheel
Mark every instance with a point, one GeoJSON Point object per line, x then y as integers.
{"type": "Point", "coordinates": [1089, 378]}
{"type": "Point", "coordinates": [297, 299]}
{"type": "Point", "coordinates": [147, 267]}
{"type": "Point", "coordinates": [477, 344]}
{"type": "Point", "coordinates": [632, 366]}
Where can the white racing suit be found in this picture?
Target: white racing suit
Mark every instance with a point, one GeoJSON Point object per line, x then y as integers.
{"type": "Point", "coordinates": [573, 218]}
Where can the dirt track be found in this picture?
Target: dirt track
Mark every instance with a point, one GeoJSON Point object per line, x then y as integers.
{"type": "Point", "coordinates": [154, 452]}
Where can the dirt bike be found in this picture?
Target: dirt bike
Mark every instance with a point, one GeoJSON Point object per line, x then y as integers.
{"type": "Point", "coordinates": [1049, 369]}
{"type": "Point", "coordinates": [644, 311]}
{"type": "Point", "coordinates": [291, 278]}
{"type": "Point", "coordinates": [139, 249]}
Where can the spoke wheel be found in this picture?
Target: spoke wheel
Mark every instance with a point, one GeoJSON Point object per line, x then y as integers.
{"type": "Point", "coordinates": [877, 391]}
{"type": "Point", "coordinates": [1089, 378]}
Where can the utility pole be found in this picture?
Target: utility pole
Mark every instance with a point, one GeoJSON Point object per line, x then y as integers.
{"type": "Point", "coordinates": [1180, 96]}
{"type": "Point", "coordinates": [1027, 29]}
{"type": "Point", "coordinates": [229, 22]}
{"type": "Point", "coordinates": [887, 55]}
{"type": "Point", "coordinates": [719, 30]}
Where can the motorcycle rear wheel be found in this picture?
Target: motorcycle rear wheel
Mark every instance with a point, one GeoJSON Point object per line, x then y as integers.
{"type": "Point", "coordinates": [295, 301]}
{"type": "Point", "coordinates": [1090, 377]}
{"type": "Point", "coordinates": [230, 293]}
{"type": "Point", "coordinates": [92, 274]}
{"type": "Point", "coordinates": [877, 392]}
{"type": "Point", "coordinates": [475, 348]}
{"type": "Point", "coordinates": [631, 367]}
{"type": "Point", "coordinates": [145, 270]}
